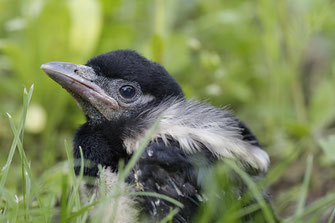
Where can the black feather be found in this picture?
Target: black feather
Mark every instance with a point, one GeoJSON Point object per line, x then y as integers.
{"type": "Point", "coordinates": [167, 170]}
{"type": "Point", "coordinates": [129, 65]}
{"type": "Point", "coordinates": [101, 144]}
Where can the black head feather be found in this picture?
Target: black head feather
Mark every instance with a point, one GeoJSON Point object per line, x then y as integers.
{"type": "Point", "coordinates": [131, 66]}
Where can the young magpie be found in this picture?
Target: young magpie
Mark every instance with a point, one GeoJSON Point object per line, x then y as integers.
{"type": "Point", "coordinates": [122, 94]}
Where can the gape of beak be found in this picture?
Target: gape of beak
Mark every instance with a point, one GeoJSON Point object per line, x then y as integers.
{"type": "Point", "coordinates": [79, 81]}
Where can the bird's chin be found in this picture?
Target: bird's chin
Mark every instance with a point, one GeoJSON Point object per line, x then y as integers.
{"type": "Point", "coordinates": [89, 110]}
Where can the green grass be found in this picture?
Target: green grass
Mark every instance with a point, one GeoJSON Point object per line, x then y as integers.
{"type": "Point", "coordinates": [35, 206]}
{"type": "Point", "coordinates": [37, 202]}
{"type": "Point", "coordinates": [272, 62]}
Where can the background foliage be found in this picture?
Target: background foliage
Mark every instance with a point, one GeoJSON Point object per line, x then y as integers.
{"type": "Point", "coordinates": [271, 62]}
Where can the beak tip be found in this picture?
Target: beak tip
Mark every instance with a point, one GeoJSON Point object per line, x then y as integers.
{"type": "Point", "coordinates": [43, 66]}
{"type": "Point", "coordinates": [46, 67]}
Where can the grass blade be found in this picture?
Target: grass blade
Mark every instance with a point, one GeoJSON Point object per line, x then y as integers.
{"type": "Point", "coordinates": [304, 188]}
{"type": "Point", "coordinates": [63, 202]}
{"type": "Point", "coordinates": [139, 151]}
{"type": "Point", "coordinates": [5, 168]}
{"type": "Point", "coordinates": [332, 216]}
{"type": "Point", "coordinates": [17, 134]}
{"type": "Point", "coordinates": [84, 209]}
{"type": "Point", "coordinates": [247, 210]}
{"type": "Point", "coordinates": [75, 190]}
{"type": "Point", "coordinates": [25, 167]}
{"type": "Point", "coordinates": [254, 190]}
{"type": "Point", "coordinates": [161, 196]}
{"type": "Point", "coordinates": [170, 216]}
{"type": "Point", "coordinates": [312, 208]}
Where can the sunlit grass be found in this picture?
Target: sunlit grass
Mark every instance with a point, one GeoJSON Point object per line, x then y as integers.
{"type": "Point", "coordinates": [24, 206]}
{"type": "Point", "coordinates": [54, 196]}
{"type": "Point", "coordinates": [271, 62]}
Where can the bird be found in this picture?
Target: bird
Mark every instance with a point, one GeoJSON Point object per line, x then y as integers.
{"type": "Point", "coordinates": [122, 95]}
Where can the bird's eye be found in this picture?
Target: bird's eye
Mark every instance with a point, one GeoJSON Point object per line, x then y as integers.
{"type": "Point", "coordinates": [127, 91]}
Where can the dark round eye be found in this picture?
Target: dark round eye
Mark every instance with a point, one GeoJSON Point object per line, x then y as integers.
{"type": "Point", "coordinates": [127, 91]}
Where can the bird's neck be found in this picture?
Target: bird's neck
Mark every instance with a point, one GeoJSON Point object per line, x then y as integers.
{"type": "Point", "coordinates": [101, 144]}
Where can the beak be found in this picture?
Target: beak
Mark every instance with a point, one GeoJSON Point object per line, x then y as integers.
{"type": "Point", "coordinates": [78, 79]}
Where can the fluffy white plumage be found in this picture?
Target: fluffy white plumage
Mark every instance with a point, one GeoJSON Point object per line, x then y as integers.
{"type": "Point", "coordinates": [121, 209]}
{"type": "Point", "coordinates": [193, 125]}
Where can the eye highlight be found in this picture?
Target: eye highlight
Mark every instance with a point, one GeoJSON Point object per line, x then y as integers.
{"type": "Point", "coordinates": [127, 91]}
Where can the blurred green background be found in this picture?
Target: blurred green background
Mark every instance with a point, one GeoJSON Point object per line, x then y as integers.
{"type": "Point", "coordinates": [272, 62]}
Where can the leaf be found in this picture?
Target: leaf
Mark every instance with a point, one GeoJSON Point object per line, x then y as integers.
{"type": "Point", "coordinates": [297, 129]}
{"type": "Point", "coordinates": [322, 106]}
{"type": "Point", "coordinates": [328, 147]}
{"type": "Point", "coordinates": [304, 189]}
{"type": "Point", "coordinates": [254, 190]}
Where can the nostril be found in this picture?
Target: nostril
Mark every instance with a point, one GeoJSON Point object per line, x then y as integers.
{"type": "Point", "coordinates": [76, 70]}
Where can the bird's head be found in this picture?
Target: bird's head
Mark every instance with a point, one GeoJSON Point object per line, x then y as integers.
{"type": "Point", "coordinates": [114, 84]}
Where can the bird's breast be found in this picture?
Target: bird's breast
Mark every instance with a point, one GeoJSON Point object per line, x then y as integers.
{"type": "Point", "coordinates": [115, 206]}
